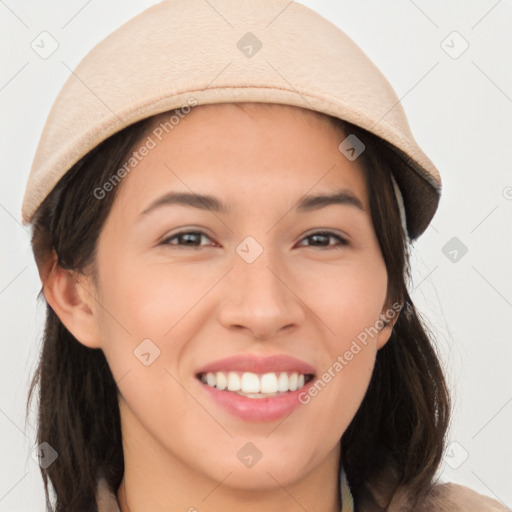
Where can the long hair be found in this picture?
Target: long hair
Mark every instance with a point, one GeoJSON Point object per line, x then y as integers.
{"type": "Point", "coordinates": [395, 442]}
{"type": "Point", "coordinates": [397, 435]}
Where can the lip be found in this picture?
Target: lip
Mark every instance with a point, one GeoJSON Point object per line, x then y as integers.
{"type": "Point", "coordinates": [258, 364]}
{"type": "Point", "coordinates": [257, 409]}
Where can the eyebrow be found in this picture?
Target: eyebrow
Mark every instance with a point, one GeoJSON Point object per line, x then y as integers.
{"type": "Point", "coordinates": [208, 202]}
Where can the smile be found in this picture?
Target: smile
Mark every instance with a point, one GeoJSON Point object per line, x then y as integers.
{"type": "Point", "coordinates": [253, 385]}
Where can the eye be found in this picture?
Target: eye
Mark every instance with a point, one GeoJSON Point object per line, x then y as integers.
{"type": "Point", "coordinates": [193, 239]}
{"type": "Point", "coordinates": [189, 238]}
{"type": "Point", "coordinates": [320, 237]}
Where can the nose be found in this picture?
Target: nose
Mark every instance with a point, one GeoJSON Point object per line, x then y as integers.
{"type": "Point", "coordinates": [260, 298]}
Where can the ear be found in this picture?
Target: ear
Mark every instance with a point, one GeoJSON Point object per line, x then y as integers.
{"type": "Point", "coordinates": [388, 317]}
{"type": "Point", "coordinates": [70, 295]}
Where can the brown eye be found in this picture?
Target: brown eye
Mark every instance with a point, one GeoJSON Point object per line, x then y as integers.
{"type": "Point", "coordinates": [185, 238]}
{"type": "Point", "coordinates": [321, 239]}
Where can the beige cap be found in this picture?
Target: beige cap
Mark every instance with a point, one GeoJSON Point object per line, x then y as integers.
{"type": "Point", "coordinates": [183, 52]}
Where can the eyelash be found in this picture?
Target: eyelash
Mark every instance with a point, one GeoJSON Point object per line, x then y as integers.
{"type": "Point", "coordinates": [343, 241]}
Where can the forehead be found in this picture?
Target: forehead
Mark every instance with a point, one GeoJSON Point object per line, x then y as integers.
{"type": "Point", "coordinates": [238, 149]}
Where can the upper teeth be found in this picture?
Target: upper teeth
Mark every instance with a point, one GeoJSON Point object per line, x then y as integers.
{"type": "Point", "coordinates": [248, 382]}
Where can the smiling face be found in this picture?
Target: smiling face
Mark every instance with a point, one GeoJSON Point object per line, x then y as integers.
{"type": "Point", "coordinates": [263, 270]}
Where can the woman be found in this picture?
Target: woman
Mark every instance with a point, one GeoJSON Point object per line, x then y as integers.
{"type": "Point", "coordinates": [222, 235]}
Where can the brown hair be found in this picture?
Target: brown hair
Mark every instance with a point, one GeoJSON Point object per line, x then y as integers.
{"type": "Point", "coordinates": [397, 435]}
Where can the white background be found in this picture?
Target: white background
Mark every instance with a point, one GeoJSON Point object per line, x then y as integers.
{"type": "Point", "coordinates": [460, 111]}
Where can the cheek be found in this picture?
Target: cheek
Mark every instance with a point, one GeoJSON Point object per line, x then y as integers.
{"type": "Point", "coordinates": [348, 300]}
{"type": "Point", "coordinates": [142, 322]}
{"type": "Point", "coordinates": [148, 300]}
{"type": "Point", "coordinates": [149, 309]}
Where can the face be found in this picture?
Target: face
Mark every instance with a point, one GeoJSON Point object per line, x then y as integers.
{"type": "Point", "coordinates": [181, 286]}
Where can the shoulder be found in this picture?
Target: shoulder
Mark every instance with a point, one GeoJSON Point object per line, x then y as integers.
{"type": "Point", "coordinates": [442, 497]}
{"type": "Point", "coordinates": [450, 497]}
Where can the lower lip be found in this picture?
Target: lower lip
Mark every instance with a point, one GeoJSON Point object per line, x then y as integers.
{"type": "Point", "coordinates": [257, 409]}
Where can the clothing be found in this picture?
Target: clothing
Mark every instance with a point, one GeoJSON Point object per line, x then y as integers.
{"type": "Point", "coordinates": [447, 497]}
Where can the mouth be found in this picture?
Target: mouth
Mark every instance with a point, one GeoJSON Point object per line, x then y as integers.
{"type": "Point", "coordinates": [256, 385]}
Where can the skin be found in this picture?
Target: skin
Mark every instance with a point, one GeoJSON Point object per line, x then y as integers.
{"type": "Point", "coordinates": [204, 302]}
